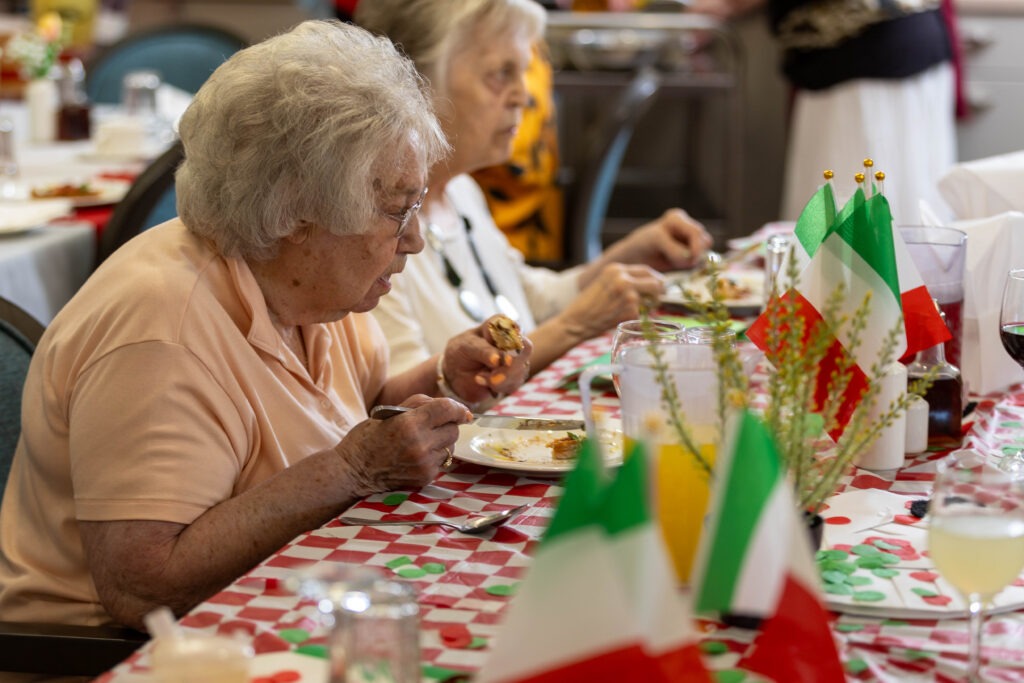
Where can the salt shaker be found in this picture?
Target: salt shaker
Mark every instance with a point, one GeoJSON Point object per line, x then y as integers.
{"type": "Point", "coordinates": [8, 160]}
{"type": "Point", "coordinates": [376, 633]}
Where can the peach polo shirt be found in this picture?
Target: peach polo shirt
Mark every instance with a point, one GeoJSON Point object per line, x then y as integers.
{"type": "Point", "coordinates": [159, 391]}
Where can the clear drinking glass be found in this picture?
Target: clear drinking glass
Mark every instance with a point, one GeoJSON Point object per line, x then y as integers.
{"type": "Point", "coordinates": [637, 332]}
{"type": "Point", "coordinates": [976, 535]}
{"type": "Point", "coordinates": [377, 634]}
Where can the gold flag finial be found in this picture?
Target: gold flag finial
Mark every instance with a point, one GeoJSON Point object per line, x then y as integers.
{"type": "Point", "coordinates": [879, 176]}
{"type": "Point", "coordinates": [859, 178]}
{"type": "Point", "coordinates": [828, 174]}
{"type": "Point", "coordinates": [869, 162]}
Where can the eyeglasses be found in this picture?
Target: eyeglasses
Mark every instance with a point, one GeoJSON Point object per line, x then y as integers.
{"type": "Point", "coordinates": [405, 217]}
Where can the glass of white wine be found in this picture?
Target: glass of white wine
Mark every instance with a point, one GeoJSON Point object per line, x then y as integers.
{"type": "Point", "coordinates": [976, 535]}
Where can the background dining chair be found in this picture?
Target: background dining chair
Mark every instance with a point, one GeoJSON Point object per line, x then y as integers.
{"type": "Point", "coordinates": [595, 185]}
{"type": "Point", "coordinates": [149, 201]}
{"type": "Point", "coordinates": [56, 649]}
{"type": "Point", "coordinates": [184, 54]}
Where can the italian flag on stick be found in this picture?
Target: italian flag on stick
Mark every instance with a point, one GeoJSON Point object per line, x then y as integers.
{"type": "Point", "coordinates": [755, 559]}
{"type": "Point", "coordinates": [860, 250]}
{"type": "Point", "coordinates": [600, 601]}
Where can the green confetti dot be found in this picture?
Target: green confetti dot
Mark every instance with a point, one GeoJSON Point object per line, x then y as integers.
{"type": "Point", "coordinates": [434, 568]}
{"type": "Point", "coordinates": [855, 666]}
{"type": "Point", "coordinates": [730, 676]}
{"type": "Point", "coordinates": [831, 555]}
{"type": "Point", "coordinates": [395, 499]}
{"type": "Point", "coordinates": [440, 673]}
{"type": "Point", "coordinates": [1011, 424]}
{"type": "Point", "coordinates": [844, 567]}
{"type": "Point", "coordinates": [714, 647]}
{"type": "Point", "coordinates": [410, 572]}
{"type": "Point", "coordinates": [833, 577]}
{"type": "Point", "coordinates": [885, 573]}
{"type": "Point", "coordinates": [399, 562]}
{"type": "Point", "coordinates": [849, 628]}
{"type": "Point", "coordinates": [870, 562]}
{"type": "Point", "coordinates": [923, 592]}
{"type": "Point", "coordinates": [477, 643]}
{"type": "Point", "coordinates": [865, 550]}
{"type": "Point", "coordinates": [501, 589]}
{"type": "Point", "coordinates": [319, 651]}
{"type": "Point", "coordinates": [294, 635]}
{"type": "Point", "coordinates": [918, 654]}
{"type": "Point", "coordinates": [1010, 449]}
{"type": "Point", "coordinates": [838, 589]}
{"type": "Point", "coordinates": [888, 558]}
{"type": "Point", "coordinates": [858, 580]}
{"type": "Point", "coordinates": [869, 596]}
{"type": "Point", "coordinates": [894, 622]}
{"type": "Point", "coordinates": [886, 546]}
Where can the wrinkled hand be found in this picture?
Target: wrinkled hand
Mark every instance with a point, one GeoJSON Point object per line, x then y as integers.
{"type": "Point", "coordinates": [477, 370]}
{"type": "Point", "coordinates": [672, 242]}
{"type": "Point", "coordinates": [615, 294]}
{"type": "Point", "coordinates": [404, 451]}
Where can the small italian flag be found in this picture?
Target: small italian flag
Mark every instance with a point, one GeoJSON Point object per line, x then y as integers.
{"type": "Point", "coordinates": [755, 559]}
{"type": "Point", "coordinates": [600, 601]}
{"type": "Point", "coordinates": [859, 249]}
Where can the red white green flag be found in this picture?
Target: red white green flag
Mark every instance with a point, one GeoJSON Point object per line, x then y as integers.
{"type": "Point", "coordinates": [861, 252]}
{"type": "Point", "coordinates": [754, 559]}
{"type": "Point", "coordinates": [600, 601]}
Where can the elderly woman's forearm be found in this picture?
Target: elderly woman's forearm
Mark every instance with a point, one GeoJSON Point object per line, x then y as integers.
{"type": "Point", "coordinates": [138, 565]}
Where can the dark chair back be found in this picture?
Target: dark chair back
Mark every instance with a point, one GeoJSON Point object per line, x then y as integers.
{"type": "Point", "coordinates": [184, 54]}
{"type": "Point", "coordinates": [19, 334]}
{"type": "Point", "coordinates": [149, 201]}
{"type": "Point", "coordinates": [594, 189]}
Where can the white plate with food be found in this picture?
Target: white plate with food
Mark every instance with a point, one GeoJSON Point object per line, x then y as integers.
{"type": "Point", "coordinates": [538, 451]}
{"type": "Point", "coordinates": [742, 291]}
{"type": "Point", "coordinates": [82, 194]}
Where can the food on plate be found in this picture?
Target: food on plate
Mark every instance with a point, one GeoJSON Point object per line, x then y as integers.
{"type": "Point", "coordinates": [505, 333]}
{"type": "Point", "coordinates": [566, 447]}
{"type": "Point", "coordinates": [65, 190]}
{"type": "Point", "coordinates": [726, 289]}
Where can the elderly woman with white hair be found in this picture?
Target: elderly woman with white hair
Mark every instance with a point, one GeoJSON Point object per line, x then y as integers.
{"type": "Point", "coordinates": [475, 54]}
{"type": "Point", "coordinates": [204, 397]}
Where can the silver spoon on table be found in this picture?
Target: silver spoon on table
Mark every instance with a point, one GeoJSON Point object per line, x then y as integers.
{"type": "Point", "coordinates": [476, 525]}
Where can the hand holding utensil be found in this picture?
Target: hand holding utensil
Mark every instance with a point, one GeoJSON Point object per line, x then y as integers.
{"type": "Point", "coordinates": [475, 525]}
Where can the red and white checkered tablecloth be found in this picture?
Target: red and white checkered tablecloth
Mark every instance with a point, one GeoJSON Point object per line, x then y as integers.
{"type": "Point", "coordinates": [465, 581]}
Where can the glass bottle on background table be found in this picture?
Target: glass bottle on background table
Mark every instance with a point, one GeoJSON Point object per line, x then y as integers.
{"type": "Point", "coordinates": [944, 396]}
{"type": "Point", "coordinates": [73, 117]}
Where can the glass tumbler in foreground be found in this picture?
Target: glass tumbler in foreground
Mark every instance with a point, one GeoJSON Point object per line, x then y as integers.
{"type": "Point", "coordinates": [376, 634]}
{"type": "Point", "coordinates": [976, 535]}
{"type": "Point", "coordinates": [640, 332]}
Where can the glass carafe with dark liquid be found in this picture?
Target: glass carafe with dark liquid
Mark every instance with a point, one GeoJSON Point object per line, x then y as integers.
{"type": "Point", "coordinates": [944, 397]}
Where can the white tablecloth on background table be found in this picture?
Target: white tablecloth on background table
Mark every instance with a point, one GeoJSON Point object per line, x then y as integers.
{"type": "Point", "coordinates": [41, 269]}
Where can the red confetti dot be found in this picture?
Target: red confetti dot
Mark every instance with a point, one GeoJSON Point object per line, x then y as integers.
{"type": "Point", "coordinates": [905, 519]}
{"type": "Point", "coordinates": [286, 676]}
{"type": "Point", "coordinates": [940, 600]}
{"type": "Point", "coordinates": [927, 577]}
{"type": "Point", "coordinates": [838, 519]}
{"type": "Point", "coordinates": [262, 679]}
{"type": "Point", "coordinates": [456, 635]}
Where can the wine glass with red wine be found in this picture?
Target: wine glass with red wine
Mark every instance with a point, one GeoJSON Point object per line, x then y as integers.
{"type": "Point", "coordinates": [1011, 332]}
{"type": "Point", "coordinates": [1011, 315]}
